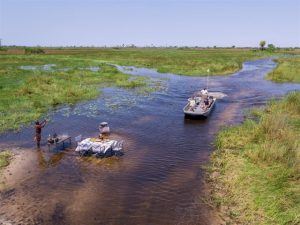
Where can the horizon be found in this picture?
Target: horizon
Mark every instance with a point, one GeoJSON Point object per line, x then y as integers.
{"type": "Point", "coordinates": [103, 23]}
{"type": "Point", "coordinates": [134, 46]}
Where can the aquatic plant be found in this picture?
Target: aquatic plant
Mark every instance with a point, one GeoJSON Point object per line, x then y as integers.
{"type": "Point", "coordinates": [26, 95]}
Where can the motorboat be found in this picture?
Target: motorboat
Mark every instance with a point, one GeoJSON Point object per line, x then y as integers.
{"type": "Point", "coordinates": [199, 105]}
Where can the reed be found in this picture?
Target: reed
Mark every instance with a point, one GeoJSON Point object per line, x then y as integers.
{"type": "Point", "coordinates": [256, 166]}
{"type": "Point", "coordinates": [288, 70]}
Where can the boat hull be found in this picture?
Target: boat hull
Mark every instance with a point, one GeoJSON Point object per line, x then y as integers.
{"type": "Point", "coordinates": [195, 114]}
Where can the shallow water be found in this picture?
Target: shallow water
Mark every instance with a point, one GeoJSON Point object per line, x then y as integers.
{"type": "Point", "coordinates": [53, 68]}
{"type": "Point", "coordinates": [159, 180]}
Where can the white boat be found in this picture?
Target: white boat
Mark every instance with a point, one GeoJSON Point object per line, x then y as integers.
{"type": "Point", "coordinates": [199, 105]}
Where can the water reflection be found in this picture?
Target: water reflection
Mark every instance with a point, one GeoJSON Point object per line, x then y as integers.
{"type": "Point", "coordinates": [53, 68]}
{"type": "Point", "coordinates": [49, 160]}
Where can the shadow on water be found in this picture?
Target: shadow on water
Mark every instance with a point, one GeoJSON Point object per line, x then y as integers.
{"type": "Point", "coordinates": [159, 179]}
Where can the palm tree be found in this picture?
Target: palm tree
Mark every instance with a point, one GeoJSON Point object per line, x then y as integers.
{"type": "Point", "coordinates": [262, 45]}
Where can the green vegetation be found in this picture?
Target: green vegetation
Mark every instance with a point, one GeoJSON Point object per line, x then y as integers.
{"type": "Point", "coordinates": [3, 48]}
{"type": "Point", "coordinates": [288, 70]}
{"type": "Point", "coordinates": [26, 94]}
{"type": "Point", "coordinates": [271, 47]}
{"type": "Point", "coordinates": [5, 157]}
{"type": "Point", "coordinates": [255, 169]}
{"type": "Point", "coordinates": [34, 50]}
{"type": "Point", "coordinates": [185, 61]}
{"type": "Point", "coordinates": [262, 45]}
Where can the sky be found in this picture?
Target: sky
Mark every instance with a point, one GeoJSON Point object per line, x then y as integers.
{"type": "Point", "coordinates": [242, 23]}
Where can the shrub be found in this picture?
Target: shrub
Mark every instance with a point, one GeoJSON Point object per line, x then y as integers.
{"type": "Point", "coordinates": [36, 50]}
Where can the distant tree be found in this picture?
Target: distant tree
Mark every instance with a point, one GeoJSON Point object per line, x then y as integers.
{"type": "Point", "coordinates": [2, 48]}
{"type": "Point", "coordinates": [262, 45]}
{"type": "Point", "coordinates": [215, 46]}
{"type": "Point", "coordinates": [233, 46]}
{"type": "Point", "coordinates": [271, 47]}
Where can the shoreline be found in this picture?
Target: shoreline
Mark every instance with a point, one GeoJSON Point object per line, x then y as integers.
{"type": "Point", "coordinates": [241, 172]}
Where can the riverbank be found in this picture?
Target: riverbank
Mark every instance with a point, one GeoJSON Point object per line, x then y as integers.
{"type": "Point", "coordinates": [287, 70]}
{"type": "Point", "coordinates": [5, 160]}
{"type": "Point", "coordinates": [254, 172]}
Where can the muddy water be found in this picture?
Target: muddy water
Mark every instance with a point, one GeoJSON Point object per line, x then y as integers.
{"type": "Point", "coordinates": [159, 180]}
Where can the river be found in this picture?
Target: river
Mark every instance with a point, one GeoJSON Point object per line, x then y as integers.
{"type": "Point", "coordinates": [159, 179]}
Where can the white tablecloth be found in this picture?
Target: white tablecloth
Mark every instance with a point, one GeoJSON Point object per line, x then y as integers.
{"type": "Point", "coordinates": [96, 147]}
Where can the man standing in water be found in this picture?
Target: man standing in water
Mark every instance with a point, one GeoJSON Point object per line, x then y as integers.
{"type": "Point", "coordinates": [38, 132]}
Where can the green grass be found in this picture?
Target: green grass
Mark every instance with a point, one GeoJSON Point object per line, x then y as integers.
{"type": "Point", "coordinates": [26, 95]}
{"type": "Point", "coordinates": [179, 61]}
{"type": "Point", "coordinates": [5, 157]}
{"type": "Point", "coordinates": [185, 61]}
{"type": "Point", "coordinates": [288, 70]}
{"type": "Point", "coordinates": [258, 164]}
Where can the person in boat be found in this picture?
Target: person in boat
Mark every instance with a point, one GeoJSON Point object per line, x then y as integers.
{"type": "Point", "coordinates": [192, 104]}
{"type": "Point", "coordinates": [38, 132]}
{"type": "Point", "coordinates": [206, 104]}
{"type": "Point", "coordinates": [198, 100]}
{"type": "Point", "coordinates": [204, 92]}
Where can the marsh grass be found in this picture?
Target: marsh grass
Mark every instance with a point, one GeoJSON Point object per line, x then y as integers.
{"type": "Point", "coordinates": [258, 165]}
{"type": "Point", "coordinates": [27, 95]}
{"type": "Point", "coordinates": [187, 61]}
{"type": "Point", "coordinates": [287, 70]}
